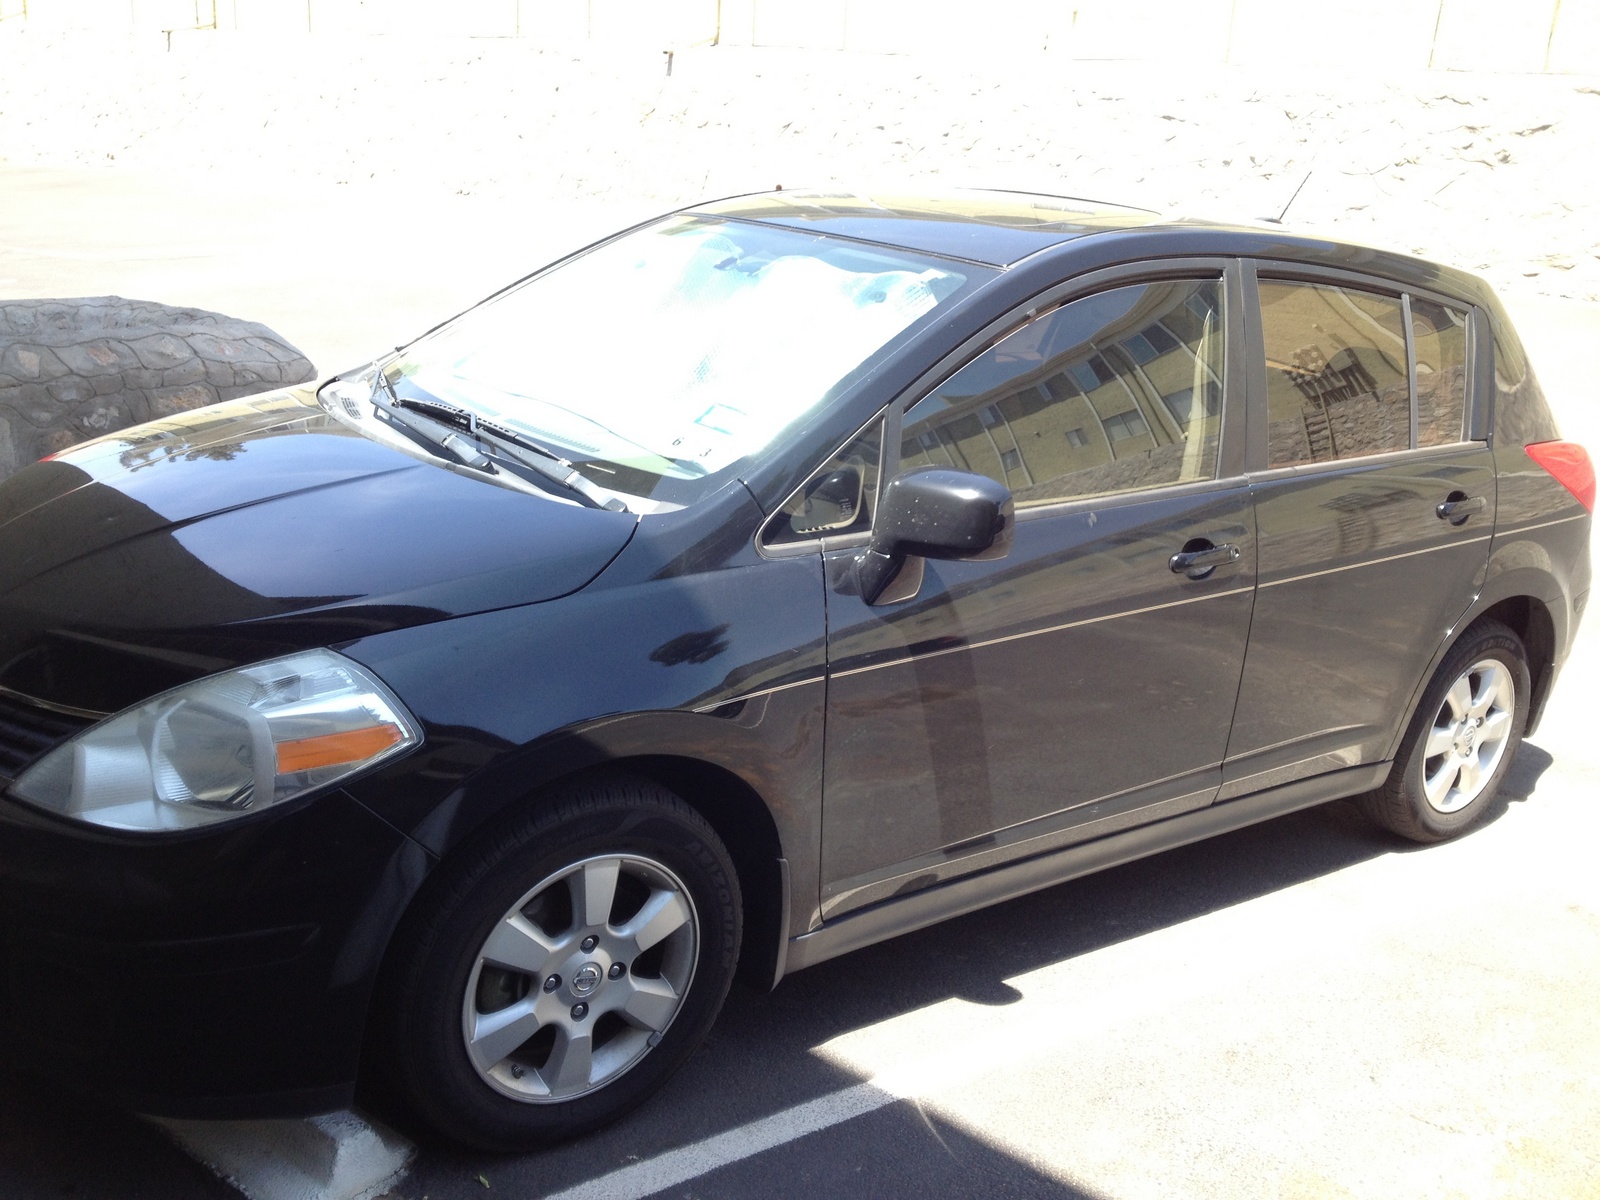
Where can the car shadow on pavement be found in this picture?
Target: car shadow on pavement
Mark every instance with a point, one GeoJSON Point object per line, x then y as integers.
{"type": "Point", "coordinates": [1521, 781]}
{"type": "Point", "coordinates": [759, 1059]}
{"type": "Point", "coordinates": [1518, 787]}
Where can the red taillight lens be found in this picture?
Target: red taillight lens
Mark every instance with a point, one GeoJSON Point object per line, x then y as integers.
{"type": "Point", "coordinates": [1569, 463]}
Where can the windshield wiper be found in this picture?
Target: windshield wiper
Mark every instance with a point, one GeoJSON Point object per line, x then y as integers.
{"type": "Point", "coordinates": [453, 444]}
{"type": "Point", "coordinates": [529, 453]}
{"type": "Point", "coordinates": [694, 469]}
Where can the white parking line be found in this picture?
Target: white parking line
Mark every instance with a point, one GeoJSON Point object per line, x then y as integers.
{"type": "Point", "coordinates": [690, 1162]}
{"type": "Point", "coordinates": [941, 1047]}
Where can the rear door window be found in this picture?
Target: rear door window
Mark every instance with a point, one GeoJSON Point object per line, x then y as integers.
{"type": "Point", "coordinates": [1336, 373]}
{"type": "Point", "coordinates": [1339, 364]}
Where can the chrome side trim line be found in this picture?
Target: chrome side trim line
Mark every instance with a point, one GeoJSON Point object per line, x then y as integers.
{"type": "Point", "coordinates": [1016, 637]}
{"type": "Point", "coordinates": [1542, 525]}
{"type": "Point", "coordinates": [1373, 562]}
{"type": "Point", "coordinates": [771, 691]}
{"type": "Point", "coordinates": [918, 910]}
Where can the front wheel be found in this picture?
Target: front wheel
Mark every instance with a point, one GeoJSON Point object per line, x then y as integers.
{"type": "Point", "coordinates": [564, 968]}
{"type": "Point", "coordinates": [1461, 742]}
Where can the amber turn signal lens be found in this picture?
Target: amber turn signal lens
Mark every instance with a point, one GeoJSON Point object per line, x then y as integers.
{"type": "Point", "coordinates": [331, 749]}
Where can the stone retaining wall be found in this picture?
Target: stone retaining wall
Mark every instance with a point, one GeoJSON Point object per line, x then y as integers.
{"type": "Point", "coordinates": [75, 369]}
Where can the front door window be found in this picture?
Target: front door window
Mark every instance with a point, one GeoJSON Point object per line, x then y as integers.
{"type": "Point", "coordinates": [1115, 392]}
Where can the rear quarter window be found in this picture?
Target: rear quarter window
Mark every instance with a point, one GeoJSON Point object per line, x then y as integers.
{"type": "Point", "coordinates": [1439, 335]}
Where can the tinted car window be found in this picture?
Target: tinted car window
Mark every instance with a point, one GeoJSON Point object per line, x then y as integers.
{"type": "Point", "coordinates": [838, 498]}
{"type": "Point", "coordinates": [1113, 392]}
{"type": "Point", "coordinates": [1439, 334]}
{"type": "Point", "coordinates": [1336, 373]}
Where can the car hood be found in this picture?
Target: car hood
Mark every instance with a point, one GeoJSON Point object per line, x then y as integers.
{"type": "Point", "coordinates": [260, 527]}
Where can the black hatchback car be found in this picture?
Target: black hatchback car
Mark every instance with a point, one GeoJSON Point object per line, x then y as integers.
{"type": "Point", "coordinates": [765, 581]}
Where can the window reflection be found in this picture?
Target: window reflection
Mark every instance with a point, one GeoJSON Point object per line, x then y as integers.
{"type": "Point", "coordinates": [1336, 373]}
{"type": "Point", "coordinates": [1440, 336]}
{"type": "Point", "coordinates": [836, 500]}
{"type": "Point", "coordinates": [1114, 392]}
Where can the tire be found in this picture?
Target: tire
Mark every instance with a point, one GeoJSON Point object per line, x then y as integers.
{"type": "Point", "coordinates": [562, 968]}
{"type": "Point", "coordinates": [1448, 771]}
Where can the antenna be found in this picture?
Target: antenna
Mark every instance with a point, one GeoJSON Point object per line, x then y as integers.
{"type": "Point", "coordinates": [1278, 220]}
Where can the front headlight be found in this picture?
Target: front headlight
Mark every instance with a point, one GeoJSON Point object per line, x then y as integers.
{"type": "Point", "coordinates": [225, 746]}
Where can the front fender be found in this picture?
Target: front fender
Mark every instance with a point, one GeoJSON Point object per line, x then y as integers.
{"type": "Point", "coordinates": [723, 668]}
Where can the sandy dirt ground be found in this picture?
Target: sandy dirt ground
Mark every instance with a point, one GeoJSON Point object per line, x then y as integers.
{"type": "Point", "coordinates": [1494, 173]}
{"type": "Point", "coordinates": [1304, 1009]}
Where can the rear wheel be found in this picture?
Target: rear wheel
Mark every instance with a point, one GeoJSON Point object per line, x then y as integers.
{"type": "Point", "coordinates": [1461, 741]}
{"type": "Point", "coordinates": [564, 968]}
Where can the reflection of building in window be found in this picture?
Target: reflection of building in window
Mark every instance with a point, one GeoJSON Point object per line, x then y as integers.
{"type": "Point", "coordinates": [1440, 337]}
{"type": "Point", "coordinates": [1098, 396]}
{"type": "Point", "coordinates": [1336, 372]}
{"type": "Point", "coordinates": [1125, 425]}
{"type": "Point", "coordinates": [1324, 382]}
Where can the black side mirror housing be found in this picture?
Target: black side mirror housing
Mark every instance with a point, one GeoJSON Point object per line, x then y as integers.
{"type": "Point", "coordinates": [935, 512]}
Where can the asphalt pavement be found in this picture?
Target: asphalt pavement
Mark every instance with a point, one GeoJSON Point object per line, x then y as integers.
{"type": "Point", "coordinates": [1307, 1008]}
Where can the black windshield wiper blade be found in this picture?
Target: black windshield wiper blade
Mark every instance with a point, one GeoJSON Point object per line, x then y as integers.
{"type": "Point", "coordinates": [529, 453]}
{"type": "Point", "coordinates": [448, 444]}
{"type": "Point", "coordinates": [452, 444]}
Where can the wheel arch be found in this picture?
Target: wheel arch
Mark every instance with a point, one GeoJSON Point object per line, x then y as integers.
{"type": "Point", "coordinates": [659, 747]}
{"type": "Point", "coordinates": [1517, 605]}
{"type": "Point", "coordinates": [739, 816]}
{"type": "Point", "coordinates": [736, 812]}
{"type": "Point", "coordinates": [1529, 618]}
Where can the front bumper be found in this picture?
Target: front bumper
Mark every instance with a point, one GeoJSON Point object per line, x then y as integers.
{"type": "Point", "coordinates": [225, 973]}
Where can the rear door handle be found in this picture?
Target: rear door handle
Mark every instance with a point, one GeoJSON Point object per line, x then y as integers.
{"type": "Point", "coordinates": [1201, 561]}
{"type": "Point", "coordinates": [1459, 507]}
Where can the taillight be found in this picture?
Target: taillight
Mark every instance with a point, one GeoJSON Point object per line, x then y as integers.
{"type": "Point", "coordinates": [1569, 463]}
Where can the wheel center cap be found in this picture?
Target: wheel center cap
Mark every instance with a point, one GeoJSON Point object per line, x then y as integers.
{"type": "Point", "coordinates": [586, 978]}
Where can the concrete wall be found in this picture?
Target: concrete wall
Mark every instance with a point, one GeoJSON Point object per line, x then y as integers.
{"type": "Point", "coordinates": [1533, 36]}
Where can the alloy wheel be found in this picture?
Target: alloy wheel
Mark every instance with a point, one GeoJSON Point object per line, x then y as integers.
{"type": "Point", "coordinates": [1469, 736]}
{"type": "Point", "coordinates": [577, 982]}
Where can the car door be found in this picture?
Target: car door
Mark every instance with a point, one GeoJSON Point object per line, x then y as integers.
{"type": "Point", "coordinates": [1374, 510]}
{"type": "Point", "coordinates": [982, 711]}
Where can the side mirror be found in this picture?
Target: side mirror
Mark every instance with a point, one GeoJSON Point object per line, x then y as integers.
{"type": "Point", "coordinates": [833, 503]}
{"type": "Point", "coordinates": [935, 512]}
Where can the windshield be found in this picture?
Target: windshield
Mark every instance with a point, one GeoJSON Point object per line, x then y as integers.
{"type": "Point", "coordinates": [661, 361]}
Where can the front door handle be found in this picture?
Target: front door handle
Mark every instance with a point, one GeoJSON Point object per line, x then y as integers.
{"type": "Point", "coordinates": [1199, 558]}
{"type": "Point", "coordinates": [1459, 507]}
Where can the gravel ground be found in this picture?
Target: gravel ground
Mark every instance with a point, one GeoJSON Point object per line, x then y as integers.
{"type": "Point", "coordinates": [1495, 173]}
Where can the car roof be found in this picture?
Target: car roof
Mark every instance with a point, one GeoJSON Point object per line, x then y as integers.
{"type": "Point", "coordinates": [991, 227]}
{"type": "Point", "coordinates": [1002, 228]}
